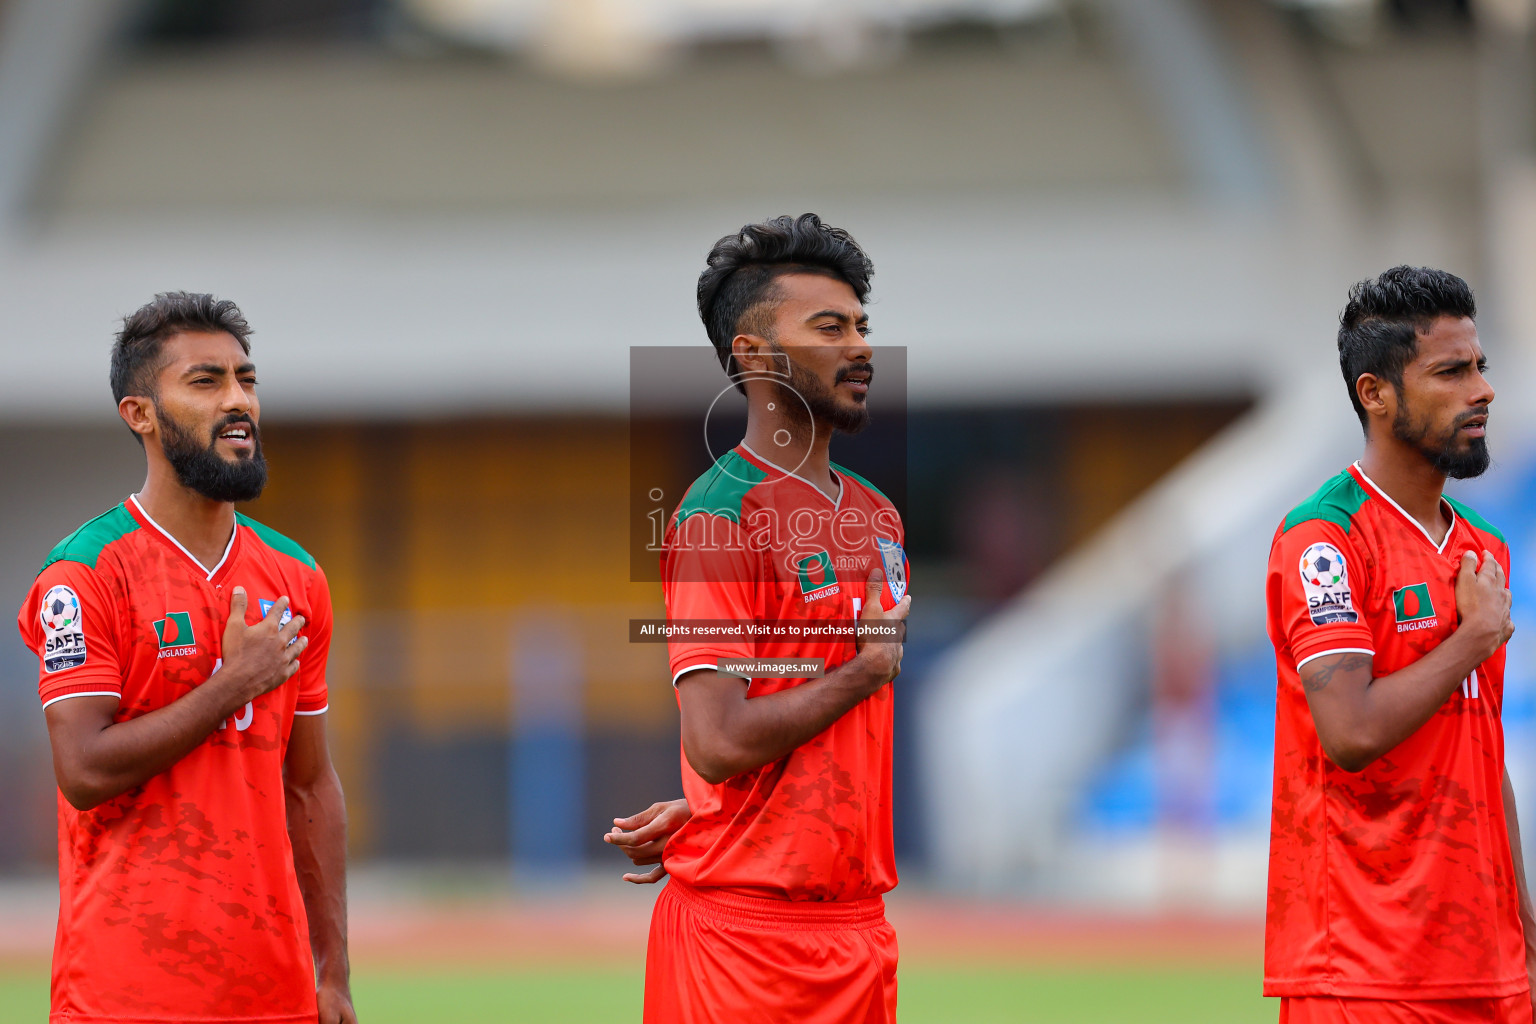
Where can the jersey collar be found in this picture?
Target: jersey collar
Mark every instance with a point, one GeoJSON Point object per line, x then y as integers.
{"type": "Point", "coordinates": [1403, 513]}
{"type": "Point", "coordinates": [224, 562]}
{"type": "Point", "coordinates": [841, 488]}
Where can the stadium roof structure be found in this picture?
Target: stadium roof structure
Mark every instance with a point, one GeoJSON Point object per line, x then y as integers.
{"type": "Point", "coordinates": [521, 23]}
{"type": "Point", "coordinates": [1172, 207]}
{"type": "Point", "coordinates": [996, 303]}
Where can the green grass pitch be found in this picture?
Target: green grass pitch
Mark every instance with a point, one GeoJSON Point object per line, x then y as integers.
{"type": "Point", "coordinates": [929, 995]}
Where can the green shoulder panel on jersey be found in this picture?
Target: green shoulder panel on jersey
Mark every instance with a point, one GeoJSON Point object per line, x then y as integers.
{"type": "Point", "coordinates": [86, 544]}
{"type": "Point", "coordinates": [866, 483]}
{"type": "Point", "coordinates": [1337, 501]}
{"type": "Point", "coordinates": [1470, 515]}
{"type": "Point", "coordinates": [276, 541]}
{"type": "Point", "coordinates": [721, 490]}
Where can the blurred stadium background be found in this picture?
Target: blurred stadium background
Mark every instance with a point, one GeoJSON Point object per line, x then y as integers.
{"type": "Point", "coordinates": [1112, 236]}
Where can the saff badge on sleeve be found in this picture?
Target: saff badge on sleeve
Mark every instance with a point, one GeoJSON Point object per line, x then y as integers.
{"type": "Point", "coordinates": [895, 562]}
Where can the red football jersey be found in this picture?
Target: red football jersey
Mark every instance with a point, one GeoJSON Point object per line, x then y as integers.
{"type": "Point", "coordinates": [1395, 882]}
{"type": "Point", "coordinates": [178, 899]}
{"type": "Point", "coordinates": [752, 544]}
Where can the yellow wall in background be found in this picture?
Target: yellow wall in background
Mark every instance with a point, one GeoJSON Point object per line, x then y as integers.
{"type": "Point", "coordinates": [442, 543]}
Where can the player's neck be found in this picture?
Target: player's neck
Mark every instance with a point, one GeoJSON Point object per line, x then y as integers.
{"type": "Point", "coordinates": [1408, 479]}
{"type": "Point", "coordinates": [200, 525]}
{"type": "Point", "coordinates": [793, 447]}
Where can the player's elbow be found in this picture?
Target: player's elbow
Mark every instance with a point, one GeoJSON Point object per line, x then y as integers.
{"type": "Point", "coordinates": [711, 775]}
{"type": "Point", "coordinates": [1353, 753]}
{"type": "Point", "coordinates": [84, 790]}
{"type": "Point", "coordinates": [711, 770]}
{"type": "Point", "coordinates": [714, 762]}
{"type": "Point", "coordinates": [83, 800]}
{"type": "Point", "coordinates": [315, 786]}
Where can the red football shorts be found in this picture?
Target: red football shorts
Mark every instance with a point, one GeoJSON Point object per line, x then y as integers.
{"type": "Point", "coordinates": [717, 956]}
{"type": "Point", "coordinates": [1514, 1009]}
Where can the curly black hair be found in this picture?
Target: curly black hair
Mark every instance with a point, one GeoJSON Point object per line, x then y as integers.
{"type": "Point", "coordinates": [739, 274]}
{"type": "Point", "coordinates": [1379, 328]}
{"type": "Point", "coordinates": [136, 353]}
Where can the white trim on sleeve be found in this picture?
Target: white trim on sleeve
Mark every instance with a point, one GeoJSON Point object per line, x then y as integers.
{"type": "Point", "coordinates": [694, 668]}
{"type": "Point", "coordinates": [83, 693]}
{"type": "Point", "coordinates": [1336, 650]}
{"type": "Point", "coordinates": [307, 714]}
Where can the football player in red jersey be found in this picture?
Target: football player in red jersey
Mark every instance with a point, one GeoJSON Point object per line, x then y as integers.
{"type": "Point", "coordinates": [182, 657]}
{"type": "Point", "coordinates": [781, 851]}
{"type": "Point", "coordinates": [1396, 886]}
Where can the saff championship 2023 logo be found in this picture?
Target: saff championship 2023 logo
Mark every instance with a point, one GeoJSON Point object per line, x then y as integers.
{"type": "Point", "coordinates": [1325, 581]}
{"type": "Point", "coordinates": [63, 637]}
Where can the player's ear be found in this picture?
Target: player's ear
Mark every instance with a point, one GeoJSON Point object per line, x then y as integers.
{"type": "Point", "coordinates": [139, 413]}
{"type": "Point", "coordinates": [749, 350]}
{"type": "Point", "coordinates": [1377, 396]}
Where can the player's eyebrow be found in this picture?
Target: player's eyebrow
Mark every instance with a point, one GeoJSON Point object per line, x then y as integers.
{"type": "Point", "coordinates": [217, 369]}
{"type": "Point", "coordinates": [840, 315]}
{"type": "Point", "coordinates": [1457, 364]}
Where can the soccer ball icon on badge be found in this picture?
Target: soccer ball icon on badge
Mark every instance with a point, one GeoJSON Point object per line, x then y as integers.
{"type": "Point", "coordinates": [1322, 566]}
{"type": "Point", "coordinates": [61, 609]}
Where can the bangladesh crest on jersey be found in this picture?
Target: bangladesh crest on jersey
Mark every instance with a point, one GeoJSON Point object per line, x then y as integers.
{"type": "Point", "coordinates": [894, 561]}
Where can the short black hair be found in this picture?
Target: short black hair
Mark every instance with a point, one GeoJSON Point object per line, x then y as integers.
{"type": "Point", "coordinates": [741, 269]}
{"type": "Point", "coordinates": [1379, 328]}
{"type": "Point", "coordinates": [136, 353]}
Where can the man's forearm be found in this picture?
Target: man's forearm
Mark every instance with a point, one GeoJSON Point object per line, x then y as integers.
{"type": "Point", "coordinates": [317, 828]}
{"type": "Point", "coordinates": [1364, 722]}
{"type": "Point", "coordinates": [96, 759]}
{"type": "Point", "coordinates": [723, 738]}
{"type": "Point", "coordinates": [1512, 824]}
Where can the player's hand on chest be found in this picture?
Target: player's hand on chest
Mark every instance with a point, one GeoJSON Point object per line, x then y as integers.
{"type": "Point", "coordinates": [181, 623]}
{"type": "Point", "coordinates": [1415, 596]}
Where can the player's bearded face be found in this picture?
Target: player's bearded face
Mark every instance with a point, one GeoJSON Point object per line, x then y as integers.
{"type": "Point", "coordinates": [1448, 450]}
{"type": "Point", "coordinates": [848, 415]}
{"type": "Point", "coordinates": [201, 468]}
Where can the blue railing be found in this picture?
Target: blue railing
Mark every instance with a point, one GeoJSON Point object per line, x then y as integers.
{"type": "Point", "coordinates": [1130, 794]}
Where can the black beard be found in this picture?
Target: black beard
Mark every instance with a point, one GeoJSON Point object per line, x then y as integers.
{"type": "Point", "coordinates": [1441, 452]}
{"type": "Point", "coordinates": [202, 469]}
{"type": "Point", "coordinates": [822, 403]}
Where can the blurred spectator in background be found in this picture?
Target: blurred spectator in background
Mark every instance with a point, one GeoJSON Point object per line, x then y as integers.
{"type": "Point", "coordinates": [1183, 739]}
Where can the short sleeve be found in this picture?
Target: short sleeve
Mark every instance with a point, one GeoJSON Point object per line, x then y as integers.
{"type": "Point", "coordinates": [711, 581]}
{"type": "Point", "coordinates": [69, 620]}
{"type": "Point", "coordinates": [314, 698]}
{"type": "Point", "coordinates": [1317, 585]}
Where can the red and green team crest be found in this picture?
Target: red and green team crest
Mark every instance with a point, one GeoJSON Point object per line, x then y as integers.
{"type": "Point", "coordinates": [813, 568]}
{"type": "Point", "coordinates": [175, 630]}
{"type": "Point", "coordinates": [1412, 603]}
